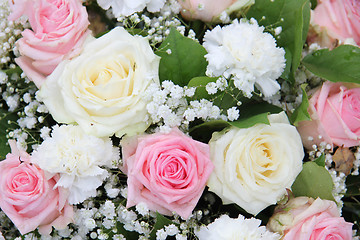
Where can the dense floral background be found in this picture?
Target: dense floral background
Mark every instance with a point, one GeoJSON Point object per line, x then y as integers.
{"type": "Point", "coordinates": [179, 119]}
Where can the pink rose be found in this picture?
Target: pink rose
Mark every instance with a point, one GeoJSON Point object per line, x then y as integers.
{"type": "Point", "coordinates": [168, 172]}
{"type": "Point", "coordinates": [335, 20]}
{"type": "Point", "coordinates": [335, 114]}
{"type": "Point", "coordinates": [27, 197]}
{"type": "Point", "coordinates": [304, 218]}
{"type": "Point", "coordinates": [207, 10]}
{"type": "Point", "coordinates": [59, 29]}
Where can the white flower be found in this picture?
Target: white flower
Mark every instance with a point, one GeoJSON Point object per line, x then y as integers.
{"type": "Point", "coordinates": [171, 230]}
{"type": "Point", "coordinates": [76, 157]}
{"type": "Point", "coordinates": [226, 228]}
{"type": "Point", "coordinates": [102, 89]}
{"type": "Point", "coordinates": [128, 7]}
{"type": "Point", "coordinates": [250, 55]}
{"type": "Point", "coordinates": [233, 114]}
{"type": "Point", "coordinates": [254, 166]}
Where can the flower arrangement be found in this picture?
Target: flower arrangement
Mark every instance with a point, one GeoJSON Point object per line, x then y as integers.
{"type": "Point", "coordinates": [179, 119]}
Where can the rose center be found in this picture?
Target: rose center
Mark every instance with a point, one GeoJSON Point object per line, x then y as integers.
{"type": "Point", "coordinates": [23, 182]}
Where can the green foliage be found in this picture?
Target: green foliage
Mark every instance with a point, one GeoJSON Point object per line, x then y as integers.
{"type": "Point", "coordinates": [301, 113]}
{"type": "Point", "coordinates": [313, 4]}
{"type": "Point", "coordinates": [353, 186]}
{"type": "Point", "coordinates": [339, 65]}
{"type": "Point", "coordinates": [294, 18]}
{"type": "Point", "coordinates": [5, 117]}
{"type": "Point", "coordinates": [253, 113]}
{"type": "Point", "coordinates": [320, 161]}
{"type": "Point", "coordinates": [313, 181]}
{"type": "Point", "coordinates": [161, 221]}
{"type": "Point", "coordinates": [185, 61]}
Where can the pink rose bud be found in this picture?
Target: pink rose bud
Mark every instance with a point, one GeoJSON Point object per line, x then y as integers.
{"type": "Point", "coordinates": [335, 113]}
{"type": "Point", "coordinates": [335, 20]}
{"type": "Point", "coordinates": [210, 10]}
{"type": "Point", "coordinates": [304, 218]}
{"type": "Point", "coordinates": [168, 172]}
{"type": "Point", "coordinates": [28, 197]}
{"type": "Point", "coordinates": [59, 29]}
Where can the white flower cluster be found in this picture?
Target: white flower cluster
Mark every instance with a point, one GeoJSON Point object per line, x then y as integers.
{"type": "Point", "coordinates": [9, 32]}
{"type": "Point", "coordinates": [237, 50]}
{"type": "Point", "coordinates": [168, 103]}
{"type": "Point", "coordinates": [128, 7]}
{"type": "Point", "coordinates": [156, 27]}
{"type": "Point", "coordinates": [203, 109]}
{"type": "Point", "coordinates": [77, 157]}
{"type": "Point", "coordinates": [168, 107]}
{"type": "Point", "coordinates": [30, 111]}
{"type": "Point", "coordinates": [225, 227]}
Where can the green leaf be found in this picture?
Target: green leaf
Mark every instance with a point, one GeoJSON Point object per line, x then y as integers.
{"type": "Point", "coordinates": [301, 113]}
{"type": "Point", "coordinates": [287, 69]}
{"type": "Point", "coordinates": [293, 16]}
{"type": "Point", "coordinates": [339, 65]}
{"type": "Point", "coordinates": [203, 132]}
{"type": "Point", "coordinates": [313, 181]}
{"type": "Point", "coordinates": [161, 221]}
{"type": "Point", "coordinates": [253, 113]}
{"type": "Point", "coordinates": [185, 61]}
{"type": "Point", "coordinates": [313, 4]}
{"type": "Point", "coordinates": [320, 161]}
{"type": "Point", "coordinates": [5, 116]}
{"type": "Point", "coordinates": [353, 186]}
{"type": "Point", "coordinates": [200, 84]}
{"type": "Point", "coordinates": [251, 121]}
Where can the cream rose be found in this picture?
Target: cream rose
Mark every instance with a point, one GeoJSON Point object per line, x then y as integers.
{"type": "Point", "coordinates": [102, 89]}
{"type": "Point", "coordinates": [254, 166]}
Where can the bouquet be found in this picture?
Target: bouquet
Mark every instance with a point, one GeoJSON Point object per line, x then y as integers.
{"type": "Point", "coordinates": [180, 119]}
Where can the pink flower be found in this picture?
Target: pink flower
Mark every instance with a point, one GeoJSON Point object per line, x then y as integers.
{"type": "Point", "coordinates": [334, 20]}
{"type": "Point", "coordinates": [168, 172]}
{"type": "Point", "coordinates": [27, 197]}
{"type": "Point", "coordinates": [207, 10]}
{"type": "Point", "coordinates": [59, 29]}
{"type": "Point", "coordinates": [335, 114]}
{"type": "Point", "coordinates": [304, 218]}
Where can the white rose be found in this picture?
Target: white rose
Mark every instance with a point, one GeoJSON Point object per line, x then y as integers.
{"type": "Point", "coordinates": [102, 89]}
{"type": "Point", "coordinates": [254, 166]}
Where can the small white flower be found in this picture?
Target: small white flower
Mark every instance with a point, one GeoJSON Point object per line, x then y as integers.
{"type": "Point", "coordinates": [142, 208]}
{"type": "Point", "coordinates": [90, 223]}
{"type": "Point", "coordinates": [211, 88]}
{"type": "Point", "coordinates": [180, 237]}
{"type": "Point", "coordinates": [161, 234]}
{"type": "Point", "coordinates": [233, 114]}
{"type": "Point", "coordinates": [171, 230]}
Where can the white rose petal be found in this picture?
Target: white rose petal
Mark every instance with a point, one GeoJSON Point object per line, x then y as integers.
{"type": "Point", "coordinates": [254, 166]}
{"type": "Point", "coordinates": [102, 89]}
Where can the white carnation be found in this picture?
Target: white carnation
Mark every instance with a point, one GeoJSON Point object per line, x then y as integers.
{"type": "Point", "coordinates": [244, 51]}
{"type": "Point", "coordinates": [224, 228]}
{"type": "Point", "coordinates": [128, 7]}
{"type": "Point", "coordinates": [77, 157]}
